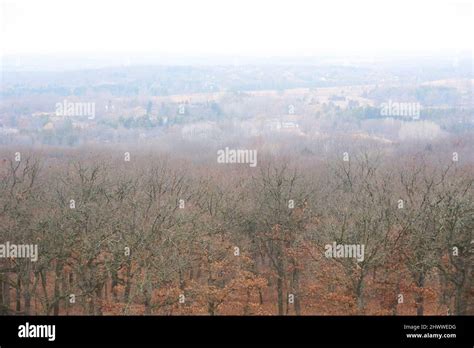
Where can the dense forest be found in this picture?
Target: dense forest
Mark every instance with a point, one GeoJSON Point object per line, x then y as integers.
{"type": "Point", "coordinates": [141, 231]}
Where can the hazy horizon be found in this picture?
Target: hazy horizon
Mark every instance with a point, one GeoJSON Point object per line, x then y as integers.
{"type": "Point", "coordinates": [257, 29]}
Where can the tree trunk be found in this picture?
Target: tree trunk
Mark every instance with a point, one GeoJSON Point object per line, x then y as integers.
{"type": "Point", "coordinates": [18, 294]}
{"type": "Point", "coordinates": [281, 310]}
{"type": "Point", "coordinates": [4, 294]}
{"type": "Point", "coordinates": [211, 309]}
{"type": "Point", "coordinates": [459, 304]}
{"type": "Point", "coordinates": [57, 278]}
{"type": "Point", "coordinates": [360, 295]}
{"type": "Point", "coordinates": [247, 303]}
{"type": "Point", "coordinates": [1, 293]}
{"type": "Point", "coordinates": [296, 289]}
{"type": "Point", "coordinates": [419, 298]}
{"type": "Point", "coordinates": [395, 300]}
{"type": "Point", "coordinates": [98, 309]}
{"type": "Point", "coordinates": [43, 279]}
{"type": "Point", "coordinates": [6, 291]}
{"type": "Point", "coordinates": [114, 284]}
{"type": "Point", "coordinates": [64, 290]}
{"type": "Point", "coordinates": [128, 283]}
{"type": "Point", "coordinates": [147, 301]}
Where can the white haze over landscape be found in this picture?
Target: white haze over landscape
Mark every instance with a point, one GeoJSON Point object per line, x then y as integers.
{"type": "Point", "coordinates": [264, 28]}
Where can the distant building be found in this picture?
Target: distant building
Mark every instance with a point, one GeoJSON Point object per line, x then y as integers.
{"type": "Point", "coordinates": [200, 130]}
{"type": "Point", "coordinates": [48, 126]}
{"type": "Point", "coordinates": [80, 125]}
{"type": "Point", "coordinates": [8, 131]}
{"type": "Point", "coordinates": [138, 112]}
{"type": "Point", "coordinates": [286, 124]}
{"type": "Point", "coordinates": [289, 125]}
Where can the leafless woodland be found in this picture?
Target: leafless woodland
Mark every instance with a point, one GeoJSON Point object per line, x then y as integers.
{"type": "Point", "coordinates": [167, 233]}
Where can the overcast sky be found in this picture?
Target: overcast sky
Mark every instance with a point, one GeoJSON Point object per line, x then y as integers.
{"type": "Point", "coordinates": [243, 27]}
